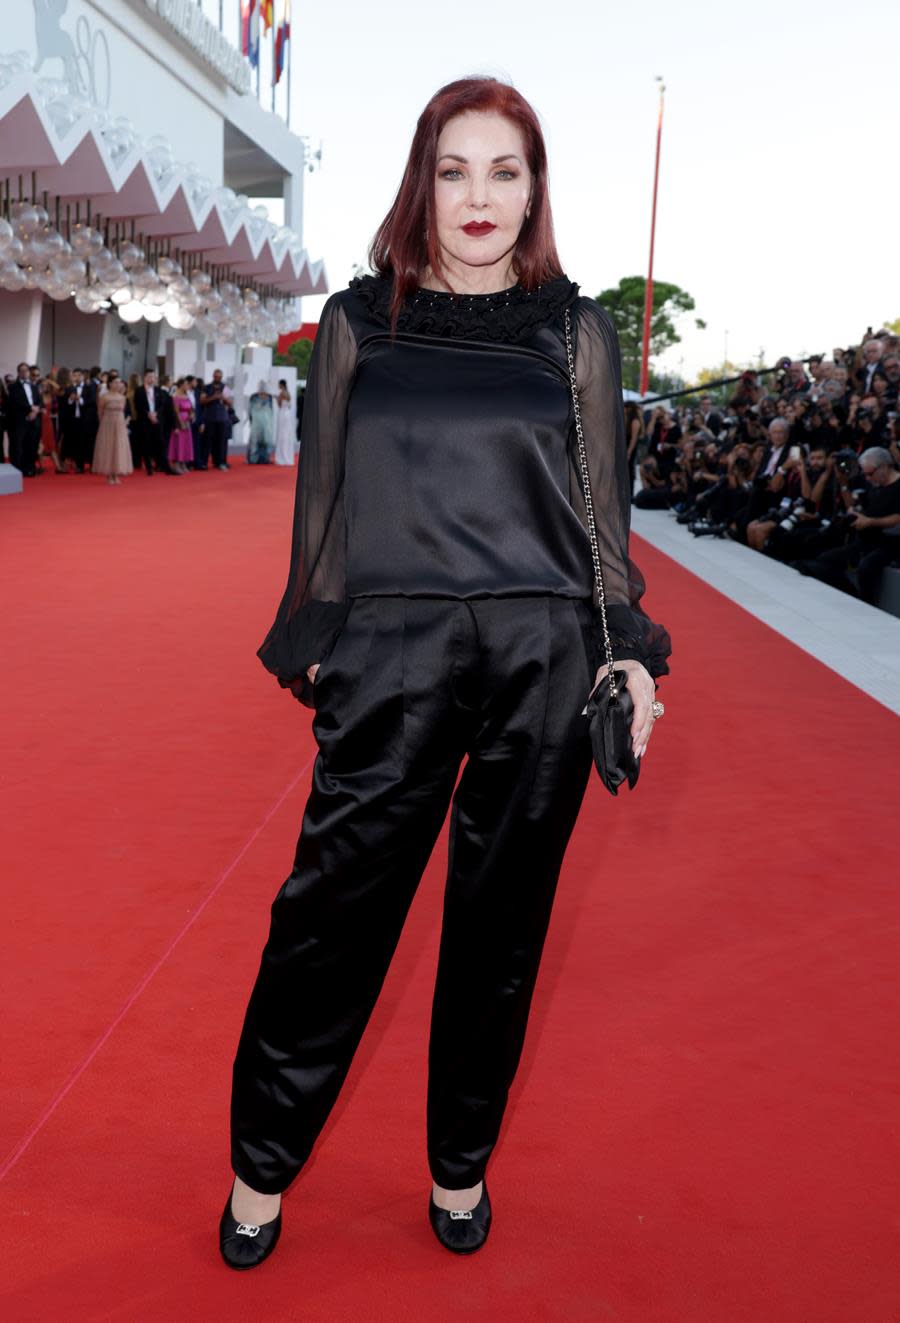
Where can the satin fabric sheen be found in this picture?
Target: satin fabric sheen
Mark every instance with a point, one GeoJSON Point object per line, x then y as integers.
{"type": "Point", "coordinates": [412, 687]}
{"type": "Point", "coordinates": [458, 473]}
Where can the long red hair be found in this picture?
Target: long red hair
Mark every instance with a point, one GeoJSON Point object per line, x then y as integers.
{"type": "Point", "coordinates": [406, 240]}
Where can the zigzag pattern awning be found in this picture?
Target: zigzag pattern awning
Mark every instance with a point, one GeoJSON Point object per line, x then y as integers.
{"type": "Point", "coordinates": [74, 158]}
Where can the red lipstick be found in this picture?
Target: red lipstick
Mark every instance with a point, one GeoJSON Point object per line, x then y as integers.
{"type": "Point", "coordinates": [479, 227]}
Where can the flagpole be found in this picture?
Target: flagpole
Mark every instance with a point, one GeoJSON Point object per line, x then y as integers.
{"type": "Point", "coordinates": [273, 29]}
{"type": "Point", "coordinates": [648, 299]}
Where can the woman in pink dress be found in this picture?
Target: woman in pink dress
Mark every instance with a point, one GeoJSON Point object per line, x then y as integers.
{"type": "Point", "coordinates": [112, 449]}
{"type": "Point", "coordinates": [181, 442]}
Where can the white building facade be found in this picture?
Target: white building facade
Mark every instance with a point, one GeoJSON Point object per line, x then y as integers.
{"type": "Point", "coordinates": [134, 147]}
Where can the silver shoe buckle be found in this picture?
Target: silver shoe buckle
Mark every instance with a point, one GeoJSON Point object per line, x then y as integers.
{"type": "Point", "coordinates": [456, 1215]}
{"type": "Point", "coordinates": [247, 1229]}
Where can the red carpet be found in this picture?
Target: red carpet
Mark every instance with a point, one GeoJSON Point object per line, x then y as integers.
{"type": "Point", "coordinates": [705, 1124]}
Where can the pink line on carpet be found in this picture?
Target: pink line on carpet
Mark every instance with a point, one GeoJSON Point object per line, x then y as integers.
{"type": "Point", "coordinates": [79, 1070]}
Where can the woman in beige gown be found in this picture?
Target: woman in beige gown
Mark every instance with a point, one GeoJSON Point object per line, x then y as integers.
{"type": "Point", "coordinates": [112, 449]}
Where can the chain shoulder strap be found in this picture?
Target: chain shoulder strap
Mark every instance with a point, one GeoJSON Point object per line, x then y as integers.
{"type": "Point", "coordinates": [589, 507]}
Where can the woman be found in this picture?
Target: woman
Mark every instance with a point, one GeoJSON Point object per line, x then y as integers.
{"type": "Point", "coordinates": [262, 426]}
{"type": "Point", "coordinates": [112, 450]}
{"type": "Point", "coordinates": [51, 388]}
{"type": "Point", "coordinates": [634, 435]}
{"type": "Point", "coordinates": [284, 426]}
{"type": "Point", "coordinates": [181, 442]}
{"type": "Point", "coordinates": [438, 606]}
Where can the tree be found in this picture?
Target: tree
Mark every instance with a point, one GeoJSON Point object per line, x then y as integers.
{"type": "Point", "coordinates": [625, 304]}
{"type": "Point", "coordinates": [298, 356]}
{"type": "Point", "coordinates": [893, 326]}
{"type": "Point", "coordinates": [718, 394]}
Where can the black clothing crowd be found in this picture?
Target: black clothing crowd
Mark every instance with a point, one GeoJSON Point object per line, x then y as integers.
{"type": "Point", "coordinates": [55, 416]}
{"type": "Point", "coordinates": [802, 465]}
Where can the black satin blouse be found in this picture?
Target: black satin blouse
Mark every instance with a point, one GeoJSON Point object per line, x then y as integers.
{"type": "Point", "coordinates": [442, 462]}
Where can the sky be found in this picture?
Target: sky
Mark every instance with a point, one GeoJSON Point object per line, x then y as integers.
{"type": "Point", "coordinates": [779, 187]}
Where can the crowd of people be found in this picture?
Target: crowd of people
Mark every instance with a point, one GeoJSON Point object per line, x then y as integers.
{"type": "Point", "coordinates": [90, 420]}
{"type": "Point", "coordinates": [802, 465]}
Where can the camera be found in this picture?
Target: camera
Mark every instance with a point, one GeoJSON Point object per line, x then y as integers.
{"type": "Point", "coordinates": [845, 518]}
{"type": "Point", "coordinates": [846, 462]}
{"type": "Point", "coordinates": [792, 518]}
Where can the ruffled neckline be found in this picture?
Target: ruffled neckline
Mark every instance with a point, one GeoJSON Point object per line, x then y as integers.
{"type": "Point", "coordinates": [508, 315]}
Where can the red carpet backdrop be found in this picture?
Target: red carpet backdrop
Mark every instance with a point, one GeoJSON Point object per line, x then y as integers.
{"type": "Point", "coordinates": [704, 1127]}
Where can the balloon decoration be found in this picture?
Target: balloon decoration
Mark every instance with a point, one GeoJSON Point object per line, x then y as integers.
{"type": "Point", "coordinates": [75, 262]}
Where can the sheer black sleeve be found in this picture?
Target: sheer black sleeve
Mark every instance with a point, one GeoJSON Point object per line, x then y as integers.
{"type": "Point", "coordinates": [598, 370]}
{"type": "Point", "coordinates": [314, 607]}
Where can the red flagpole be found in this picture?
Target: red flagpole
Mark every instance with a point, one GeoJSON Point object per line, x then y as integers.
{"type": "Point", "coordinates": [648, 300]}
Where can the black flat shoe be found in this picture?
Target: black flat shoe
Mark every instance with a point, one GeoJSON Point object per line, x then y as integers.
{"type": "Point", "coordinates": [463, 1233]}
{"type": "Point", "coordinates": [244, 1245]}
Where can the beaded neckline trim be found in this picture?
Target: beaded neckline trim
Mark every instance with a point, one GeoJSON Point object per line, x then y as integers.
{"type": "Point", "coordinates": [511, 314]}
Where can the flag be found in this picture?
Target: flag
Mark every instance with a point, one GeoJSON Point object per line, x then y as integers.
{"type": "Point", "coordinates": [267, 8]}
{"type": "Point", "coordinates": [250, 30]}
{"type": "Point", "coordinates": [282, 37]}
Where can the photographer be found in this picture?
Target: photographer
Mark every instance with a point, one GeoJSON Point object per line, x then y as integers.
{"type": "Point", "coordinates": [894, 439]}
{"type": "Point", "coordinates": [822, 424]}
{"type": "Point", "coordinates": [796, 381]}
{"type": "Point", "coordinates": [722, 507]}
{"type": "Point", "coordinates": [870, 516]}
{"type": "Point", "coordinates": [867, 421]}
{"type": "Point", "coordinates": [809, 504]}
{"type": "Point", "coordinates": [691, 475]}
{"type": "Point", "coordinates": [890, 371]}
{"type": "Point", "coordinates": [662, 455]}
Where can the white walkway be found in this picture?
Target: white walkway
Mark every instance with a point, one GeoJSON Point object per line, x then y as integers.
{"type": "Point", "coordinates": [858, 641]}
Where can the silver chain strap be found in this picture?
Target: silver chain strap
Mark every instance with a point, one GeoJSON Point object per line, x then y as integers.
{"type": "Point", "coordinates": [589, 507]}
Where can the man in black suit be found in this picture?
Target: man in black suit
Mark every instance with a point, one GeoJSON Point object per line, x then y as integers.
{"type": "Point", "coordinates": [23, 420]}
{"type": "Point", "coordinates": [79, 420]}
{"type": "Point", "coordinates": [149, 404]}
{"type": "Point", "coordinates": [872, 352]}
{"type": "Point", "coordinates": [710, 418]}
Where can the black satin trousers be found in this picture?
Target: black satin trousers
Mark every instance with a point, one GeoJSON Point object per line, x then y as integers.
{"type": "Point", "coordinates": [411, 688]}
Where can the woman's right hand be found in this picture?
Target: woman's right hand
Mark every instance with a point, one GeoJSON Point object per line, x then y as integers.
{"type": "Point", "coordinates": [311, 672]}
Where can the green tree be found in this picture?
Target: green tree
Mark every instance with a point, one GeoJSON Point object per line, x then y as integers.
{"type": "Point", "coordinates": [298, 356]}
{"type": "Point", "coordinates": [893, 326]}
{"type": "Point", "coordinates": [625, 304]}
{"type": "Point", "coordinates": [718, 394]}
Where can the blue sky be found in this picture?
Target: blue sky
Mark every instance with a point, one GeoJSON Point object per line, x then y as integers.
{"type": "Point", "coordinates": [779, 183]}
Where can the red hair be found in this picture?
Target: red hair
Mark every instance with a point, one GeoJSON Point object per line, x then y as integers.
{"type": "Point", "coordinates": [400, 247]}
